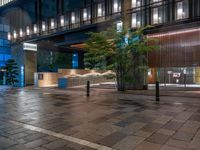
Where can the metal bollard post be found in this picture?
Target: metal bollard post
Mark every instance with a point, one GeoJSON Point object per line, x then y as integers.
{"type": "Point", "coordinates": [88, 88]}
{"type": "Point", "coordinates": [157, 92]}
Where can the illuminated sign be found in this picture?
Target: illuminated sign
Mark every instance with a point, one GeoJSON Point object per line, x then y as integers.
{"type": "Point", "coordinates": [30, 47]}
{"type": "Point", "coordinates": [176, 75]}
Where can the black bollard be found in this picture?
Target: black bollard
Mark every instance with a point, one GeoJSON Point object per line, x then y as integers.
{"type": "Point", "coordinates": [88, 88]}
{"type": "Point", "coordinates": [157, 92]}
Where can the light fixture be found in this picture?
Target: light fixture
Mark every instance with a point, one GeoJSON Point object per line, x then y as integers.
{"type": "Point", "coordinates": [35, 30]}
{"type": "Point", "coordinates": [20, 33]}
{"type": "Point", "coordinates": [9, 36]}
{"type": "Point", "coordinates": [84, 14]}
{"type": "Point", "coordinates": [43, 26]}
{"type": "Point", "coordinates": [15, 34]}
{"type": "Point", "coordinates": [100, 10]}
{"type": "Point", "coordinates": [62, 21]}
{"type": "Point", "coordinates": [52, 24]}
{"type": "Point", "coordinates": [73, 18]}
{"type": "Point", "coordinates": [115, 7]}
{"type": "Point", "coordinates": [27, 30]}
{"type": "Point", "coordinates": [134, 20]}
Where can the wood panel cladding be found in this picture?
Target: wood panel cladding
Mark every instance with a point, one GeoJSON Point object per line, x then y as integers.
{"type": "Point", "coordinates": [176, 49]}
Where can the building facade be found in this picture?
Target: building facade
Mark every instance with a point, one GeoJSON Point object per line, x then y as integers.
{"type": "Point", "coordinates": [5, 50]}
{"type": "Point", "coordinates": [58, 28]}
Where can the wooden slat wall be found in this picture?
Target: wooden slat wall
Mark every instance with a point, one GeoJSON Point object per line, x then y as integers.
{"type": "Point", "coordinates": [181, 49]}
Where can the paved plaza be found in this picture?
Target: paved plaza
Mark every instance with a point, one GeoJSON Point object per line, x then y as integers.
{"type": "Point", "coordinates": [52, 119]}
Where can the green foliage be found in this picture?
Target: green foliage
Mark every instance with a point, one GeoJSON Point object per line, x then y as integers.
{"type": "Point", "coordinates": [120, 52]}
{"type": "Point", "coordinates": [11, 72]}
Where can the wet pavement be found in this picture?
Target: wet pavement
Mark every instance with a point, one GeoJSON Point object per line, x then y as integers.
{"type": "Point", "coordinates": [52, 119]}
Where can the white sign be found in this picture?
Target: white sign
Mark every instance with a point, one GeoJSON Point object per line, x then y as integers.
{"type": "Point", "coordinates": [30, 47]}
{"type": "Point", "coordinates": [176, 75]}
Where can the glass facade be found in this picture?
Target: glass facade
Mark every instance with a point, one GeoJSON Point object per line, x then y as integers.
{"type": "Point", "coordinates": [182, 9]}
{"type": "Point", "coordinates": [4, 43]}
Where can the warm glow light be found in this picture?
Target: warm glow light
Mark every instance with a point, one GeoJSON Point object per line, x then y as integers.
{"type": "Point", "coordinates": [21, 33]}
{"type": "Point", "coordinates": [62, 21]}
{"type": "Point", "coordinates": [73, 19]}
{"type": "Point", "coordinates": [115, 6]}
{"type": "Point", "coordinates": [27, 30]}
{"type": "Point", "coordinates": [100, 13]}
{"type": "Point", "coordinates": [9, 36]}
{"type": "Point", "coordinates": [15, 34]}
{"type": "Point", "coordinates": [35, 30]}
{"type": "Point", "coordinates": [155, 16]}
{"type": "Point", "coordinates": [52, 24]}
{"type": "Point", "coordinates": [43, 26]}
{"type": "Point", "coordinates": [85, 14]}
{"type": "Point", "coordinates": [174, 33]}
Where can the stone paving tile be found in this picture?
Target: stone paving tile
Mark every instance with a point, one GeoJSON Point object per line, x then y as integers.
{"type": "Point", "coordinates": [184, 136]}
{"type": "Point", "coordinates": [148, 146]}
{"type": "Point", "coordinates": [107, 118]}
{"type": "Point", "coordinates": [173, 125]}
{"type": "Point", "coordinates": [128, 143]}
{"type": "Point", "coordinates": [56, 144]}
{"type": "Point", "coordinates": [166, 131]}
{"type": "Point", "coordinates": [158, 138]}
{"type": "Point", "coordinates": [36, 143]}
{"type": "Point", "coordinates": [112, 139]}
{"type": "Point", "coordinates": [195, 118]}
{"type": "Point", "coordinates": [18, 147]}
{"type": "Point", "coordinates": [177, 143]}
{"type": "Point", "coordinates": [5, 143]}
{"type": "Point", "coordinates": [166, 147]}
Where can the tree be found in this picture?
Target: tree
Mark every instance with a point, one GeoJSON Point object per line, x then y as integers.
{"type": "Point", "coordinates": [11, 72]}
{"type": "Point", "coordinates": [121, 52]}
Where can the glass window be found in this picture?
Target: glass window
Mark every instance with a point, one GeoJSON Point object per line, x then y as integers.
{"type": "Point", "coordinates": [100, 9]}
{"type": "Point", "coordinates": [86, 14]}
{"type": "Point", "coordinates": [137, 19]}
{"type": "Point", "coordinates": [1, 42]}
{"type": "Point", "coordinates": [182, 9]}
{"type": "Point", "coordinates": [7, 57]}
{"type": "Point", "coordinates": [137, 3]}
{"type": "Point", "coordinates": [159, 15]}
{"type": "Point", "coordinates": [116, 6]}
{"type": "Point", "coordinates": [75, 61]}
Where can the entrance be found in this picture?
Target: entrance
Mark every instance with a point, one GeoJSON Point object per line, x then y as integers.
{"type": "Point", "coordinates": [177, 76]}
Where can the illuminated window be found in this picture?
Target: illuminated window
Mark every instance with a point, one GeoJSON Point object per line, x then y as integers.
{"type": "Point", "coordinates": [52, 23]}
{"type": "Point", "coordinates": [62, 21]}
{"type": "Point", "coordinates": [43, 26]}
{"type": "Point", "coordinates": [116, 6]}
{"type": "Point", "coordinates": [100, 11]}
{"type": "Point", "coordinates": [86, 14]}
{"type": "Point", "coordinates": [181, 9]}
{"type": "Point", "coordinates": [73, 17]}
{"type": "Point", "coordinates": [136, 3]}
{"type": "Point", "coordinates": [35, 29]}
{"type": "Point", "coordinates": [136, 20]}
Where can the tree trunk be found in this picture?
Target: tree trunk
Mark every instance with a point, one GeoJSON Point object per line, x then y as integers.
{"type": "Point", "coordinates": [120, 78]}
